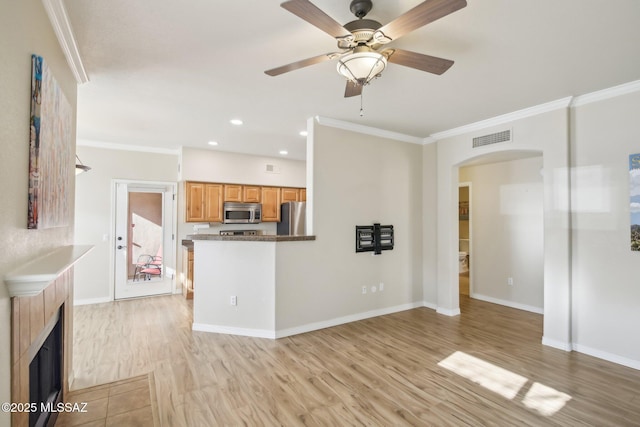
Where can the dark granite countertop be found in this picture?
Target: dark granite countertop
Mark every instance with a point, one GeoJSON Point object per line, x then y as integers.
{"type": "Point", "coordinates": [262, 238]}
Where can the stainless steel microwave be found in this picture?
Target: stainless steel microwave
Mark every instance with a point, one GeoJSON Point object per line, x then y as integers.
{"type": "Point", "coordinates": [242, 213]}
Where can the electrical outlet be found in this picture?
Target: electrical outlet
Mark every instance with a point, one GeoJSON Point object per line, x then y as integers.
{"type": "Point", "coordinates": [364, 290]}
{"type": "Point", "coordinates": [373, 289]}
{"type": "Point", "coordinates": [510, 281]}
{"type": "Point", "coordinates": [381, 287]}
{"type": "Point", "coordinates": [234, 300]}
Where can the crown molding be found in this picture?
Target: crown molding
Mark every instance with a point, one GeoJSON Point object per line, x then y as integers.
{"type": "Point", "coordinates": [568, 102]}
{"type": "Point", "coordinates": [608, 93]}
{"type": "Point", "coordinates": [62, 27]}
{"type": "Point", "coordinates": [500, 120]}
{"type": "Point", "coordinates": [126, 147]}
{"type": "Point", "coordinates": [368, 130]}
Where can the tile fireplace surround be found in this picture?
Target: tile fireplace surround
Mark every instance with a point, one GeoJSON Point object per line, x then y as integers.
{"type": "Point", "coordinates": [31, 312]}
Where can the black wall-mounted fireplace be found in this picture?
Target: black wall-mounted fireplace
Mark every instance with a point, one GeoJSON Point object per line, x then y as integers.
{"type": "Point", "coordinates": [45, 374]}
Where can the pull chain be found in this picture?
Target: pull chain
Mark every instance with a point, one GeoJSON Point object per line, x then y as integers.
{"type": "Point", "coordinates": [361, 107]}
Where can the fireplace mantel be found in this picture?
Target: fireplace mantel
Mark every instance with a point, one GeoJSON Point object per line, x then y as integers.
{"type": "Point", "coordinates": [31, 278]}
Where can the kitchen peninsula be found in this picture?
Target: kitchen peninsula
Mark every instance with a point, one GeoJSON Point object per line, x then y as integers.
{"type": "Point", "coordinates": [236, 282]}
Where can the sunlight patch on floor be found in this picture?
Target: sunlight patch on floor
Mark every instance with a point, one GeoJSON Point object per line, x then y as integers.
{"type": "Point", "coordinates": [540, 398]}
{"type": "Point", "coordinates": [545, 400]}
{"type": "Point", "coordinates": [499, 380]}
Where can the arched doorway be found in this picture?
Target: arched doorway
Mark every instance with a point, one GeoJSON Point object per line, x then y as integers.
{"type": "Point", "coordinates": [505, 258]}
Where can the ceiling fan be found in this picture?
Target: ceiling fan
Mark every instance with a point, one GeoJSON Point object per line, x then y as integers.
{"type": "Point", "coordinates": [360, 59]}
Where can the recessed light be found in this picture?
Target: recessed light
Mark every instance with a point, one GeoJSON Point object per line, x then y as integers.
{"type": "Point", "coordinates": [303, 133]}
{"type": "Point", "coordinates": [213, 143]}
{"type": "Point", "coordinates": [284, 152]}
{"type": "Point", "coordinates": [236, 122]}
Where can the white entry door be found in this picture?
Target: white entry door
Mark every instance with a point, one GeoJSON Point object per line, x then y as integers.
{"type": "Point", "coordinates": [145, 249]}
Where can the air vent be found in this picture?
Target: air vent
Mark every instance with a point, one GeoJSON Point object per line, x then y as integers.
{"type": "Point", "coordinates": [271, 168]}
{"type": "Point", "coordinates": [494, 138]}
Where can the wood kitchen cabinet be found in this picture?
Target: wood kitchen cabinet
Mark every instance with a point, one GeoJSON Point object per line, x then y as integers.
{"type": "Point", "coordinates": [270, 204]}
{"type": "Point", "coordinates": [242, 193]}
{"type": "Point", "coordinates": [251, 194]}
{"type": "Point", "coordinates": [203, 202]}
{"type": "Point", "coordinates": [232, 193]}
{"type": "Point", "coordinates": [289, 195]}
{"type": "Point", "coordinates": [187, 267]}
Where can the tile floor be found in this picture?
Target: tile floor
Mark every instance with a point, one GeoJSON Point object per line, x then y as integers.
{"type": "Point", "coordinates": [129, 402]}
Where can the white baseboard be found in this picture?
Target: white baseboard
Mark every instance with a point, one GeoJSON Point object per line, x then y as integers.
{"type": "Point", "coordinates": [431, 305]}
{"type": "Point", "coordinates": [256, 333]}
{"type": "Point", "coordinates": [451, 312]}
{"type": "Point", "coordinates": [264, 333]}
{"type": "Point", "coordinates": [88, 301]}
{"type": "Point", "coordinates": [560, 345]}
{"type": "Point", "coordinates": [506, 303]}
{"type": "Point", "coordinates": [345, 319]}
{"type": "Point", "coordinates": [630, 363]}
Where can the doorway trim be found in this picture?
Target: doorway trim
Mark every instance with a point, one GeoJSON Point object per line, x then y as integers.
{"type": "Point", "coordinates": [170, 258]}
{"type": "Point", "coordinates": [469, 185]}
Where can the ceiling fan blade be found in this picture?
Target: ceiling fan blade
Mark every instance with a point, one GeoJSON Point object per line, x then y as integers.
{"type": "Point", "coordinates": [300, 64]}
{"type": "Point", "coordinates": [312, 14]}
{"type": "Point", "coordinates": [430, 64]}
{"type": "Point", "coordinates": [422, 14]}
{"type": "Point", "coordinates": [352, 89]}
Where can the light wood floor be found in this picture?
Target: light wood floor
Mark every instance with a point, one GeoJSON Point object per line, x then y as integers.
{"type": "Point", "coordinates": [486, 367]}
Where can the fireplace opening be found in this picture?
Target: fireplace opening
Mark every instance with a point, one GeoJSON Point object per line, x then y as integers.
{"type": "Point", "coordinates": [45, 374]}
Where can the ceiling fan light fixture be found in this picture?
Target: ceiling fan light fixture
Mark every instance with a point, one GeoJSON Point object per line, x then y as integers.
{"type": "Point", "coordinates": [361, 67]}
{"type": "Point", "coordinates": [81, 167]}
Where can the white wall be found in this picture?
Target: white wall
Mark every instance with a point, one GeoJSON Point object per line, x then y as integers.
{"type": "Point", "coordinates": [24, 30]}
{"type": "Point", "coordinates": [508, 229]}
{"type": "Point", "coordinates": [430, 225]}
{"type": "Point", "coordinates": [356, 179]}
{"type": "Point", "coordinates": [248, 273]}
{"type": "Point", "coordinates": [546, 133]}
{"type": "Point", "coordinates": [590, 274]}
{"type": "Point", "coordinates": [220, 166]}
{"type": "Point", "coordinates": [606, 288]}
{"type": "Point", "coordinates": [93, 276]}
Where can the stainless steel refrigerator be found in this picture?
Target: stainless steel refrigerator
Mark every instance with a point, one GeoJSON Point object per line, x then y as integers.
{"type": "Point", "coordinates": [292, 219]}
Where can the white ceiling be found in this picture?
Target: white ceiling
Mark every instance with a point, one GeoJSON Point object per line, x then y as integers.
{"type": "Point", "coordinates": [167, 73]}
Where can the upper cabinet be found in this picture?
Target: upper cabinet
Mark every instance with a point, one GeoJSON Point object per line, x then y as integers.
{"type": "Point", "coordinates": [289, 195]}
{"type": "Point", "coordinates": [242, 193]}
{"type": "Point", "coordinates": [251, 194]}
{"type": "Point", "coordinates": [270, 204]}
{"type": "Point", "coordinates": [203, 202]}
{"type": "Point", "coordinates": [213, 202]}
{"type": "Point", "coordinates": [194, 192]}
{"type": "Point", "coordinates": [232, 193]}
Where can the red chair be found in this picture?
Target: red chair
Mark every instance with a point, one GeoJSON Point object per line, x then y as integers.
{"type": "Point", "coordinates": [148, 266]}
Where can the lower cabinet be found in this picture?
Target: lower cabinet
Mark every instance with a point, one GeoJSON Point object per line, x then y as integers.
{"type": "Point", "coordinates": [187, 270]}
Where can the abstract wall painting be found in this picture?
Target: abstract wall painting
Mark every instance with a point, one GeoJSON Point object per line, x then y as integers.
{"type": "Point", "coordinates": [50, 157]}
{"type": "Point", "coordinates": [634, 192]}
